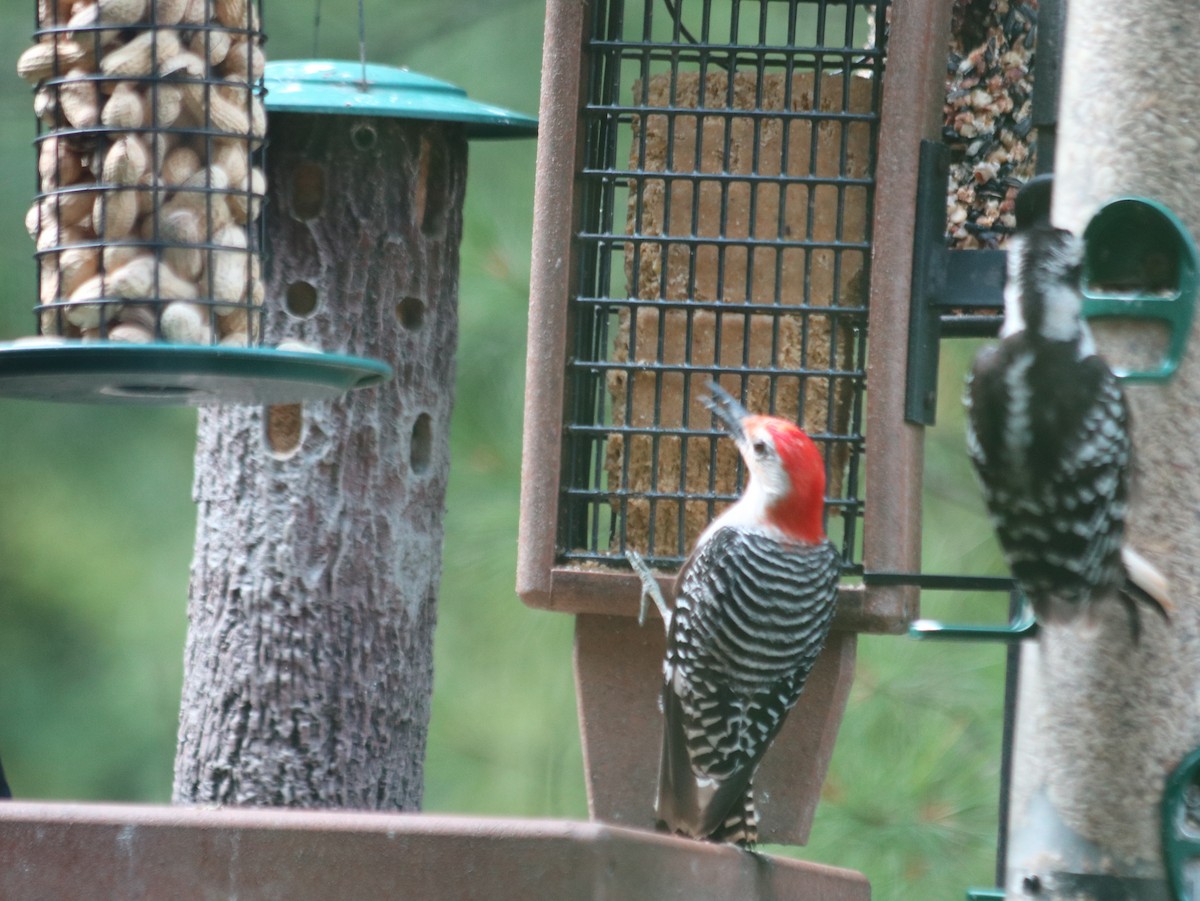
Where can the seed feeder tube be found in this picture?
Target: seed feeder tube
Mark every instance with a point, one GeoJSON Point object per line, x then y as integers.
{"type": "Point", "coordinates": [1103, 723]}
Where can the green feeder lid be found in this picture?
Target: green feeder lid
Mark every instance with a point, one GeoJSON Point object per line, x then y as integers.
{"type": "Point", "coordinates": [337, 86]}
{"type": "Point", "coordinates": [178, 374]}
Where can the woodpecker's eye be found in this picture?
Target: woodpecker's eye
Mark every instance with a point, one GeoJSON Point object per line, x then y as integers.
{"type": "Point", "coordinates": [761, 448]}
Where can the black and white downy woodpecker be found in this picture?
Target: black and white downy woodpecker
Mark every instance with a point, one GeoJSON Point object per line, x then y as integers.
{"type": "Point", "coordinates": [752, 609]}
{"type": "Point", "coordinates": [1048, 432]}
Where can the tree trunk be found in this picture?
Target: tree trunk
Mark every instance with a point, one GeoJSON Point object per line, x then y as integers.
{"type": "Point", "coordinates": [308, 666]}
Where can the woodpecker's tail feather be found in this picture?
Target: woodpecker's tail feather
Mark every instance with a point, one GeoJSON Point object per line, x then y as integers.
{"type": "Point", "coordinates": [741, 826]}
{"type": "Point", "coordinates": [689, 803]}
{"type": "Point", "coordinates": [1144, 584]}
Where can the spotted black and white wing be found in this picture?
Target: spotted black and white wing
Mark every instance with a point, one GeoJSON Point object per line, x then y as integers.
{"type": "Point", "coordinates": [1049, 436]}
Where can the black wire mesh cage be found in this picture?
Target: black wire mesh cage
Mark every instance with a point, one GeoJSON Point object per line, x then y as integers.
{"type": "Point", "coordinates": [147, 217]}
{"type": "Point", "coordinates": [726, 196]}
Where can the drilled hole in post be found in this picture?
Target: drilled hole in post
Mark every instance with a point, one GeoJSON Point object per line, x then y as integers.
{"type": "Point", "coordinates": [285, 425]}
{"type": "Point", "coordinates": [363, 136]}
{"type": "Point", "coordinates": [301, 299]}
{"type": "Point", "coordinates": [308, 190]}
{"type": "Point", "coordinates": [432, 183]}
{"type": "Point", "coordinates": [411, 313]}
{"type": "Point", "coordinates": [421, 189]}
{"type": "Point", "coordinates": [420, 450]}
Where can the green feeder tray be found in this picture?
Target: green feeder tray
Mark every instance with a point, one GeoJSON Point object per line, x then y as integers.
{"type": "Point", "coordinates": [178, 374]}
{"type": "Point", "coordinates": [338, 86]}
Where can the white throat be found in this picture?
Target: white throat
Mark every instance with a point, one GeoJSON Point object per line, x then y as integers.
{"type": "Point", "coordinates": [749, 511]}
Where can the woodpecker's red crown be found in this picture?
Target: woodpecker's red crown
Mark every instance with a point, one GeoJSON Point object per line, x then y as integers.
{"type": "Point", "coordinates": [797, 507]}
{"type": "Point", "coordinates": [786, 485]}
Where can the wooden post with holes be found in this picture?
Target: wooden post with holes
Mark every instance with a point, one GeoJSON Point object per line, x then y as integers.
{"type": "Point", "coordinates": [308, 665]}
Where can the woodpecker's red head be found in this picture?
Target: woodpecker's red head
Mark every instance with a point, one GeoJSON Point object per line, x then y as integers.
{"type": "Point", "coordinates": [786, 486]}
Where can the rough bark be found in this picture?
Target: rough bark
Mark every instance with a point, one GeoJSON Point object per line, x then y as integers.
{"type": "Point", "coordinates": [308, 666]}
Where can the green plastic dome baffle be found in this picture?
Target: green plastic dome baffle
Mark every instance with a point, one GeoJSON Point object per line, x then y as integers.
{"type": "Point", "coordinates": [338, 86]}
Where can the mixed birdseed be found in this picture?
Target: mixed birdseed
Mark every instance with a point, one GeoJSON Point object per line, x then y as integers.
{"type": "Point", "coordinates": [988, 121]}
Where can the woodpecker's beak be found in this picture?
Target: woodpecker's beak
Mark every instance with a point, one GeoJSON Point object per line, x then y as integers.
{"type": "Point", "coordinates": [731, 413]}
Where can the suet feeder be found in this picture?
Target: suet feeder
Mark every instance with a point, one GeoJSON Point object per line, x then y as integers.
{"type": "Point", "coordinates": [741, 181]}
{"type": "Point", "coordinates": [149, 219]}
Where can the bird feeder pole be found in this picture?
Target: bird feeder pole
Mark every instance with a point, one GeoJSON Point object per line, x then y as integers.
{"type": "Point", "coordinates": [308, 669]}
{"type": "Point", "coordinates": [1103, 722]}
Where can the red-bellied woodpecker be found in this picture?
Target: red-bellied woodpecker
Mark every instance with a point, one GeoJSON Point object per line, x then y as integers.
{"type": "Point", "coordinates": [753, 604]}
{"type": "Point", "coordinates": [1048, 432]}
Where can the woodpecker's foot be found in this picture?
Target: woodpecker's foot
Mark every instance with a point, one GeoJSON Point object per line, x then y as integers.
{"type": "Point", "coordinates": [650, 590]}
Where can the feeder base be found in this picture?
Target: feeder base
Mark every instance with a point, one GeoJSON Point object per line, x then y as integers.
{"type": "Point", "coordinates": [179, 374]}
{"type": "Point", "coordinates": [75, 851]}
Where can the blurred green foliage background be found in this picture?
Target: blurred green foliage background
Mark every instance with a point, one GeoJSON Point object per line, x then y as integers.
{"type": "Point", "coordinates": [96, 533]}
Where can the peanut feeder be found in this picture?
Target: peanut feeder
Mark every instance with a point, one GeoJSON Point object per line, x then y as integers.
{"type": "Point", "coordinates": [148, 220]}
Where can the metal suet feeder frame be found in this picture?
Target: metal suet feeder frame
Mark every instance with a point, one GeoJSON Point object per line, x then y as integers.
{"type": "Point", "coordinates": [741, 180]}
{"type": "Point", "coordinates": [677, 264]}
{"type": "Point", "coordinates": [147, 220]}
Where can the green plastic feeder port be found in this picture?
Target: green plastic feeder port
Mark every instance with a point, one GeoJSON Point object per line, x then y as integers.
{"type": "Point", "coordinates": [1181, 827]}
{"type": "Point", "coordinates": [1140, 262]}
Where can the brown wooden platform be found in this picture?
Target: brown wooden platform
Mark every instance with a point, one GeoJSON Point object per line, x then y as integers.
{"type": "Point", "coordinates": [85, 852]}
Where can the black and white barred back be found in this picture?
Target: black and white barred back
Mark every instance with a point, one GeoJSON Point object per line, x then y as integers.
{"type": "Point", "coordinates": [752, 613]}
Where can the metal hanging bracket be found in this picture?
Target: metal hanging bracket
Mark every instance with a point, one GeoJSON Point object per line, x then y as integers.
{"type": "Point", "coordinates": [1021, 624]}
{"type": "Point", "coordinates": [958, 292]}
{"type": "Point", "coordinates": [1140, 262]}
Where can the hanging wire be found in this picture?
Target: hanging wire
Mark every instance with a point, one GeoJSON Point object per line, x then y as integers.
{"type": "Point", "coordinates": [316, 28]}
{"type": "Point", "coordinates": [676, 17]}
{"type": "Point", "coordinates": [683, 29]}
{"type": "Point", "coordinates": [362, 43]}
